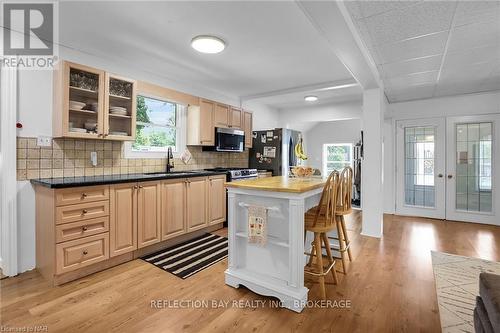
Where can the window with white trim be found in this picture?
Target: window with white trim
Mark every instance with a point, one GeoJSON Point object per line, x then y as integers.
{"type": "Point", "coordinates": [336, 156]}
{"type": "Point", "coordinates": [160, 124]}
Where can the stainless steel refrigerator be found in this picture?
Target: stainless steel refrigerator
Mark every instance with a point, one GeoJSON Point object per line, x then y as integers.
{"type": "Point", "coordinates": [273, 150]}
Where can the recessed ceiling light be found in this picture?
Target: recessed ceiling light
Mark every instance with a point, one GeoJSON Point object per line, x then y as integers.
{"type": "Point", "coordinates": [311, 98]}
{"type": "Point", "coordinates": [208, 44]}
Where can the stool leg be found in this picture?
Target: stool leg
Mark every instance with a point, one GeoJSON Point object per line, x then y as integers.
{"type": "Point", "coordinates": [346, 237]}
{"type": "Point", "coordinates": [313, 252]}
{"type": "Point", "coordinates": [319, 263]}
{"type": "Point", "coordinates": [341, 243]}
{"type": "Point", "coordinates": [330, 257]}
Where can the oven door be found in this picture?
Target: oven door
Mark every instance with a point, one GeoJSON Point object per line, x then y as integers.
{"type": "Point", "coordinates": [227, 139]}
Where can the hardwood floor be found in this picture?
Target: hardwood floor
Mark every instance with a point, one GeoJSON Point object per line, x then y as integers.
{"type": "Point", "coordinates": [390, 286]}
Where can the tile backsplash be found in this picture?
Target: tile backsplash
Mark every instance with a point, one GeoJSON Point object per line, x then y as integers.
{"type": "Point", "coordinates": [71, 158]}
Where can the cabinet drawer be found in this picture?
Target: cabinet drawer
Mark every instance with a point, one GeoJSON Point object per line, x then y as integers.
{"type": "Point", "coordinates": [75, 230]}
{"type": "Point", "coordinates": [79, 212]}
{"type": "Point", "coordinates": [76, 195]}
{"type": "Point", "coordinates": [82, 252]}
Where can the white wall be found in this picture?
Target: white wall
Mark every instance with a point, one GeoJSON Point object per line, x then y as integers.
{"type": "Point", "coordinates": [264, 117]}
{"type": "Point", "coordinates": [340, 131]}
{"type": "Point", "coordinates": [303, 119]}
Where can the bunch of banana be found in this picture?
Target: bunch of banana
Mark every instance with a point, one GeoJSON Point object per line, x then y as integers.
{"type": "Point", "coordinates": [299, 151]}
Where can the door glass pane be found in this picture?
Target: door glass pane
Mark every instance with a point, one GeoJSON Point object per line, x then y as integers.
{"type": "Point", "coordinates": [419, 166]}
{"type": "Point", "coordinates": [473, 167]}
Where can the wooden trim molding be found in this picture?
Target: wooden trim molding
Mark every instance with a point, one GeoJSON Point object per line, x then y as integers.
{"type": "Point", "coordinates": [152, 90]}
{"type": "Point", "coordinates": [8, 183]}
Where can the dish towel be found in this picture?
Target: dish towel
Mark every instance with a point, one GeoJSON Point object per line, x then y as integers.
{"type": "Point", "coordinates": [257, 225]}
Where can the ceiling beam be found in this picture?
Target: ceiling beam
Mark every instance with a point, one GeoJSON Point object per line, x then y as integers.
{"type": "Point", "coordinates": [331, 85]}
{"type": "Point", "coordinates": [333, 22]}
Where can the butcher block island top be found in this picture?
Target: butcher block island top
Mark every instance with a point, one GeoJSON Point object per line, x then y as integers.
{"type": "Point", "coordinates": [280, 184]}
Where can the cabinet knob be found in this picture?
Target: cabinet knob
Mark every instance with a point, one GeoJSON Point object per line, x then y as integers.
{"type": "Point", "coordinates": [84, 212]}
{"type": "Point", "coordinates": [84, 229]}
{"type": "Point", "coordinates": [450, 176]}
{"type": "Point", "coordinates": [85, 252]}
{"type": "Point", "coordinates": [140, 186]}
{"type": "Point", "coordinates": [84, 195]}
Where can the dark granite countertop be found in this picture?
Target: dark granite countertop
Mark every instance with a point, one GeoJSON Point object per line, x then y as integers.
{"type": "Point", "coordinates": [114, 179]}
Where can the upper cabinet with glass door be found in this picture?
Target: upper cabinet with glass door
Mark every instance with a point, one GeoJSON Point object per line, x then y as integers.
{"type": "Point", "coordinates": [82, 103]}
{"type": "Point", "coordinates": [120, 108]}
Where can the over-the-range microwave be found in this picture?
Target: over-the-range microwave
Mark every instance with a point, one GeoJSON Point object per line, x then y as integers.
{"type": "Point", "coordinates": [228, 139]}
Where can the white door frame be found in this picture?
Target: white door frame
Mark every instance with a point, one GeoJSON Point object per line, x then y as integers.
{"type": "Point", "coordinates": [439, 169]}
{"type": "Point", "coordinates": [8, 176]}
{"type": "Point", "coordinates": [477, 217]}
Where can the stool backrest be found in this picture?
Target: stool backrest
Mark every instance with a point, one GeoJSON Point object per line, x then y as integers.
{"type": "Point", "coordinates": [328, 202]}
{"type": "Point", "coordinates": [345, 190]}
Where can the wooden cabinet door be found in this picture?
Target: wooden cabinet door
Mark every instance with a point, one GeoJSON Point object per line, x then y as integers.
{"type": "Point", "coordinates": [216, 199]}
{"type": "Point", "coordinates": [123, 218]}
{"type": "Point", "coordinates": [247, 127]}
{"type": "Point", "coordinates": [196, 203]}
{"type": "Point", "coordinates": [173, 208]}
{"type": "Point", "coordinates": [221, 115]}
{"type": "Point", "coordinates": [148, 213]}
{"type": "Point", "coordinates": [207, 130]}
{"type": "Point", "coordinates": [235, 118]}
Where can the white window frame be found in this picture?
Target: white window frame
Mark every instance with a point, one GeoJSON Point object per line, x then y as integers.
{"type": "Point", "coordinates": [181, 129]}
{"type": "Point", "coordinates": [324, 166]}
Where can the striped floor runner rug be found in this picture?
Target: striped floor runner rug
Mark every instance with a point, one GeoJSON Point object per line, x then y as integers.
{"type": "Point", "coordinates": [188, 258]}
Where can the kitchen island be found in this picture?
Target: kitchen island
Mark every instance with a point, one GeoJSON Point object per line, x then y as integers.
{"type": "Point", "coordinates": [275, 268]}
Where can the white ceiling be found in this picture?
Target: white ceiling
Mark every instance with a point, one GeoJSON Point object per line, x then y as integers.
{"type": "Point", "coordinates": [427, 49]}
{"type": "Point", "coordinates": [270, 45]}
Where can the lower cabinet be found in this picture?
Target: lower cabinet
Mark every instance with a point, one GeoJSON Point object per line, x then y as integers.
{"type": "Point", "coordinates": [173, 208]}
{"type": "Point", "coordinates": [216, 199]}
{"type": "Point", "coordinates": [148, 213]}
{"type": "Point", "coordinates": [196, 203]}
{"type": "Point", "coordinates": [82, 230]}
{"type": "Point", "coordinates": [122, 218]}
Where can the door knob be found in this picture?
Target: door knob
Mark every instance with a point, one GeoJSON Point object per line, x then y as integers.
{"type": "Point", "coordinates": [440, 175]}
{"type": "Point", "coordinates": [450, 176]}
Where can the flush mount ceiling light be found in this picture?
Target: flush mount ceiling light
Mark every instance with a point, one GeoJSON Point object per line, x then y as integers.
{"type": "Point", "coordinates": [208, 44]}
{"type": "Point", "coordinates": [311, 98]}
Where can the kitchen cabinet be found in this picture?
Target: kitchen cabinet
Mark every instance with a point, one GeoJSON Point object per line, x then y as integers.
{"type": "Point", "coordinates": [119, 108]}
{"type": "Point", "coordinates": [148, 213]}
{"type": "Point", "coordinates": [173, 208]}
{"type": "Point", "coordinates": [123, 218]}
{"type": "Point", "coordinates": [90, 103]}
{"type": "Point", "coordinates": [216, 199]}
{"type": "Point", "coordinates": [84, 229]}
{"type": "Point", "coordinates": [196, 203]}
{"type": "Point", "coordinates": [200, 124]}
{"type": "Point", "coordinates": [235, 116]}
{"type": "Point", "coordinates": [221, 115]}
{"type": "Point", "coordinates": [247, 127]}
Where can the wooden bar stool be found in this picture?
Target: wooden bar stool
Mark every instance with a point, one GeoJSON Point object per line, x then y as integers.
{"type": "Point", "coordinates": [320, 222]}
{"type": "Point", "coordinates": [344, 207]}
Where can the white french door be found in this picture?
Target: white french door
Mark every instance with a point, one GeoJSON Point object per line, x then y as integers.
{"type": "Point", "coordinates": [420, 168]}
{"type": "Point", "coordinates": [447, 168]}
{"type": "Point", "coordinates": [473, 160]}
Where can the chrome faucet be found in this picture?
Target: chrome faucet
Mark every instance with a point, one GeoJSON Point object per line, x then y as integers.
{"type": "Point", "coordinates": [170, 159]}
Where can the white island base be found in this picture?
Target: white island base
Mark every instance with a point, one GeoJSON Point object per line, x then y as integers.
{"type": "Point", "coordinates": [276, 268]}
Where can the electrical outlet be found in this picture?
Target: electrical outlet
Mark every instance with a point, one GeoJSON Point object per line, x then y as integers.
{"type": "Point", "coordinates": [93, 158]}
{"type": "Point", "coordinates": [44, 141]}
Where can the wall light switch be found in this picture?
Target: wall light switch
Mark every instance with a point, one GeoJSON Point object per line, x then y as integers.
{"type": "Point", "coordinates": [44, 141]}
{"type": "Point", "coordinates": [93, 158]}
